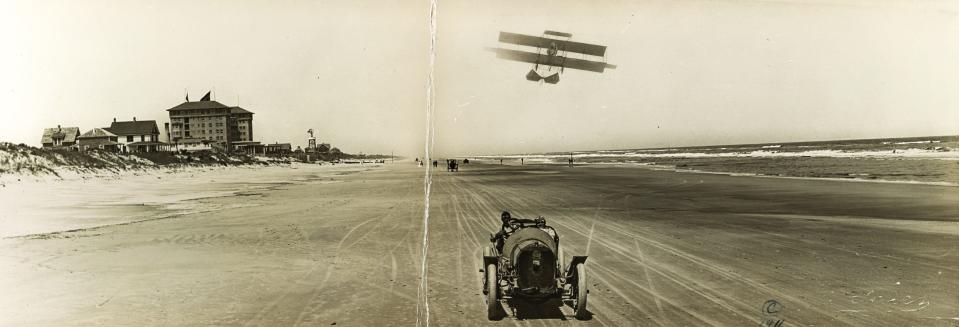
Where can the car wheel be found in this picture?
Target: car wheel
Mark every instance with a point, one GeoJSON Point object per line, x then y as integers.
{"type": "Point", "coordinates": [492, 303]}
{"type": "Point", "coordinates": [581, 291]}
{"type": "Point", "coordinates": [560, 261]}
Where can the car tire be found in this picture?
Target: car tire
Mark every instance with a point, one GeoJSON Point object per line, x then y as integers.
{"type": "Point", "coordinates": [560, 260]}
{"type": "Point", "coordinates": [582, 291]}
{"type": "Point", "coordinates": [492, 303]}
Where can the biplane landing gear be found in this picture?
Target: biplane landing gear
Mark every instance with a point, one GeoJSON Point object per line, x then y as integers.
{"type": "Point", "coordinates": [535, 77]}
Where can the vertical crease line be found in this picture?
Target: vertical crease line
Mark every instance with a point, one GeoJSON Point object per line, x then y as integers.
{"type": "Point", "coordinates": [422, 303]}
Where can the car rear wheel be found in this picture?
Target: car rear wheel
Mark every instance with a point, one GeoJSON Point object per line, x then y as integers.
{"type": "Point", "coordinates": [560, 260]}
{"type": "Point", "coordinates": [492, 303]}
{"type": "Point", "coordinates": [581, 291]}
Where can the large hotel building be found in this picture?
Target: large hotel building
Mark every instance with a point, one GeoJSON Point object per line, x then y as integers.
{"type": "Point", "coordinates": [210, 121]}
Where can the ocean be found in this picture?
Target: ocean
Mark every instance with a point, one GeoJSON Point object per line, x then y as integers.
{"type": "Point", "coordinates": [926, 160]}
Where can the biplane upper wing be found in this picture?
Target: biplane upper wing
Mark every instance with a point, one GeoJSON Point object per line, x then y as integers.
{"type": "Point", "coordinates": [542, 42]}
{"type": "Point", "coordinates": [558, 61]}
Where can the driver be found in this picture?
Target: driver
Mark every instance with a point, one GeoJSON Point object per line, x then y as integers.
{"type": "Point", "coordinates": [504, 231]}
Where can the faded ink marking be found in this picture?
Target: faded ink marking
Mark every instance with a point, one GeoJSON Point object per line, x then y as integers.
{"type": "Point", "coordinates": [771, 310]}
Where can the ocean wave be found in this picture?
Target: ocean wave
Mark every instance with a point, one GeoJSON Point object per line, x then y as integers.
{"type": "Point", "coordinates": [941, 153]}
{"type": "Point", "coordinates": [853, 177]}
{"type": "Point", "coordinates": [915, 142]}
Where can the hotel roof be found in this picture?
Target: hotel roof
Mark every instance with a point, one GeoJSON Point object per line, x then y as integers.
{"type": "Point", "coordinates": [238, 110]}
{"type": "Point", "coordinates": [199, 105]}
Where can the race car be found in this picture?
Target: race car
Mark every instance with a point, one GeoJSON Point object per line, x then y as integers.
{"type": "Point", "coordinates": [524, 261]}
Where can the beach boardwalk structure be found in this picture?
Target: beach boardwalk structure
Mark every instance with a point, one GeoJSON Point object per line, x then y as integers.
{"type": "Point", "coordinates": [58, 137]}
{"type": "Point", "coordinates": [99, 138]}
{"type": "Point", "coordinates": [192, 144]}
{"type": "Point", "coordinates": [278, 149]}
{"type": "Point", "coordinates": [136, 136]}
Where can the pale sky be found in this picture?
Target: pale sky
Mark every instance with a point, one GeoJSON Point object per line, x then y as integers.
{"type": "Point", "coordinates": [353, 71]}
{"type": "Point", "coordinates": [700, 72]}
{"type": "Point", "coordinates": [689, 72]}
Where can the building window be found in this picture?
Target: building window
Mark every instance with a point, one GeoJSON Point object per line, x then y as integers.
{"type": "Point", "coordinates": [129, 138]}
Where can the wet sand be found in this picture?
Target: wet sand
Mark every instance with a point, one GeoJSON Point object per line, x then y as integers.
{"type": "Point", "coordinates": [685, 249]}
{"type": "Point", "coordinates": [665, 248]}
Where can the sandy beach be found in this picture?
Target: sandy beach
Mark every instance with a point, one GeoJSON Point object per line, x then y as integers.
{"type": "Point", "coordinates": [325, 245]}
{"type": "Point", "coordinates": [313, 248]}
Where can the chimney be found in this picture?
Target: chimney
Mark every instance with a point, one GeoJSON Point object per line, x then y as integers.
{"type": "Point", "coordinates": [166, 128]}
{"type": "Point", "coordinates": [114, 119]}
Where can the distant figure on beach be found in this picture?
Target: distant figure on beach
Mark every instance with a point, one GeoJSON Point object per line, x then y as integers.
{"type": "Point", "coordinates": [521, 161]}
{"type": "Point", "coordinates": [501, 161]}
{"type": "Point", "coordinates": [466, 161]}
{"type": "Point", "coordinates": [417, 159]}
{"type": "Point", "coordinates": [435, 163]}
{"type": "Point", "coordinates": [571, 161]}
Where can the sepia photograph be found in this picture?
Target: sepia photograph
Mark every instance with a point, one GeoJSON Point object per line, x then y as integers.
{"type": "Point", "coordinates": [453, 163]}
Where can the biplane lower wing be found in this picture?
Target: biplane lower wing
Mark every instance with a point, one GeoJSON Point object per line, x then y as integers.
{"type": "Point", "coordinates": [593, 66]}
{"type": "Point", "coordinates": [542, 42]}
{"type": "Point", "coordinates": [557, 61]}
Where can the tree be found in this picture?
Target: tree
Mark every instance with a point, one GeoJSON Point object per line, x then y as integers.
{"type": "Point", "coordinates": [323, 148]}
{"type": "Point", "coordinates": [335, 153]}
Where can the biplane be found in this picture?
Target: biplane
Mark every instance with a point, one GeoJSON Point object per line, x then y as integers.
{"type": "Point", "coordinates": [554, 53]}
